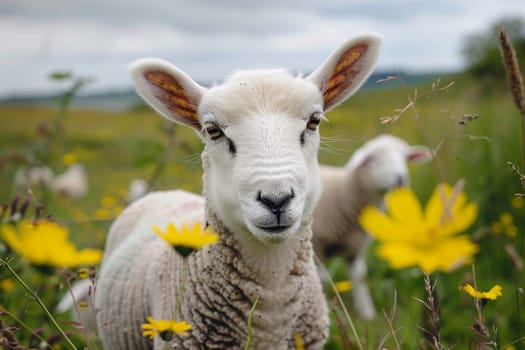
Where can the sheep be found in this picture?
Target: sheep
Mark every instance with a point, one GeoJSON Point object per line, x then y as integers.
{"type": "Point", "coordinates": [32, 176]}
{"type": "Point", "coordinates": [377, 167]}
{"type": "Point", "coordinates": [260, 186]}
{"type": "Point", "coordinates": [72, 183]}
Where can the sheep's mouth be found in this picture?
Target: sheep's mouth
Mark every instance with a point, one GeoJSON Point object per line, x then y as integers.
{"type": "Point", "coordinates": [274, 233]}
{"type": "Point", "coordinates": [274, 229]}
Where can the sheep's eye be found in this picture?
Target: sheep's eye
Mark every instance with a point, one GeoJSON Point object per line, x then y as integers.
{"type": "Point", "coordinates": [313, 122]}
{"type": "Point", "coordinates": [214, 131]}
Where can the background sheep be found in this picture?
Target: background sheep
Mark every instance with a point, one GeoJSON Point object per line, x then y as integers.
{"type": "Point", "coordinates": [73, 183]}
{"type": "Point", "coordinates": [261, 184]}
{"type": "Point", "coordinates": [373, 169]}
{"type": "Point", "coordinates": [32, 176]}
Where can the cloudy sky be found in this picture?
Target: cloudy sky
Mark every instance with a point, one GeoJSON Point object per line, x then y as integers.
{"type": "Point", "coordinates": [209, 39]}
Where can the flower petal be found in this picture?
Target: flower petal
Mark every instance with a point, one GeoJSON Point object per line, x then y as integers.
{"type": "Point", "coordinates": [180, 327]}
{"type": "Point", "coordinates": [377, 223]}
{"type": "Point", "coordinates": [434, 210]}
{"type": "Point", "coordinates": [403, 206]}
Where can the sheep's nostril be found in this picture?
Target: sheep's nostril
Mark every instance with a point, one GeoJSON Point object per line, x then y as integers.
{"type": "Point", "coordinates": [276, 204]}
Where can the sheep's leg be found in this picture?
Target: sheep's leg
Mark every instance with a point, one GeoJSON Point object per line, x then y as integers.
{"type": "Point", "coordinates": [363, 302]}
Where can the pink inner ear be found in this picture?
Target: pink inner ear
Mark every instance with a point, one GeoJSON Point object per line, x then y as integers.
{"type": "Point", "coordinates": [173, 96]}
{"type": "Point", "coordinates": [344, 72]}
{"type": "Point", "coordinates": [419, 156]}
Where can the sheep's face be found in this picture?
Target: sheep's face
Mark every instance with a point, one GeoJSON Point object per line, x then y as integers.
{"type": "Point", "coordinates": [382, 164]}
{"type": "Point", "coordinates": [261, 135]}
{"type": "Point", "coordinates": [384, 170]}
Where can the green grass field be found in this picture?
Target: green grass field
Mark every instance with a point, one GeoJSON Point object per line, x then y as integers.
{"type": "Point", "coordinates": [116, 147]}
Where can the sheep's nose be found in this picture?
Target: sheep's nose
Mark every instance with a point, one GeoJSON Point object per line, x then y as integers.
{"type": "Point", "coordinates": [276, 204]}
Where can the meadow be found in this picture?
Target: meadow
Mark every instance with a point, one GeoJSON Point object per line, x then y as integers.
{"type": "Point", "coordinates": [473, 129]}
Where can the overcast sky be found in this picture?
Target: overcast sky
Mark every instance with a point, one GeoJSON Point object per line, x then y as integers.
{"type": "Point", "coordinates": [209, 39]}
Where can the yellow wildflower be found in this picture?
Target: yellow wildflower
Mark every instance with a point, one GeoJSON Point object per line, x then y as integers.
{"type": "Point", "coordinates": [46, 244]}
{"type": "Point", "coordinates": [408, 236]}
{"type": "Point", "coordinates": [517, 202]}
{"type": "Point", "coordinates": [496, 227]}
{"type": "Point", "coordinates": [187, 239]}
{"type": "Point", "coordinates": [164, 328]}
{"type": "Point", "coordinates": [102, 213]}
{"type": "Point", "coordinates": [506, 219]}
{"type": "Point", "coordinates": [343, 286]}
{"type": "Point", "coordinates": [7, 284]}
{"type": "Point", "coordinates": [492, 294]}
{"type": "Point", "coordinates": [83, 273]}
{"type": "Point", "coordinates": [505, 224]}
{"type": "Point", "coordinates": [298, 341]}
{"type": "Point", "coordinates": [69, 158]}
{"type": "Point", "coordinates": [108, 201]}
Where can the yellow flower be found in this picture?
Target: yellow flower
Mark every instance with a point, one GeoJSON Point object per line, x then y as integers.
{"type": "Point", "coordinates": [46, 244]}
{"type": "Point", "coordinates": [108, 201]}
{"type": "Point", "coordinates": [7, 284]}
{"type": "Point", "coordinates": [187, 239]}
{"type": "Point", "coordinates": [343, 286]}
{"type": "Point", "coordinates": [505, 224]}
{"type": "Point", "coordinates": [298, 341]}
{"type": "Point", "coordinates": [69, 158]}
{"type": "Point", "coordinates": [164, 328]}
{"type": "Point", "coordinates": [83, 273]}
{"type": "Point", "coordinates": [497, 227]}
{"type": "Point", "coordinates": [517, 202]}
{"type": "Point", "coordinates": [408, 236]}
{"type": "Point", "coordinates": [102, 213]}
{"type": "Point", "coordinates": [492, 294]}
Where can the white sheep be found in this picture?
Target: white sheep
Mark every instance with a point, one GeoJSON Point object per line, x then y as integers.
{"type": "Point", "coordinates": [72, 183]}
{"type": "Point", "coordinates": [261, 184]}
{"type": "Point", "coordinates": [377, 167]}
{"type": "Point", "coordinates": [32, 176]}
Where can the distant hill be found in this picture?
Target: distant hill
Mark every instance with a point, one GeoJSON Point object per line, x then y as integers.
{"type": "Point", "coordinates": [126, 99]}
{"type": "Point", "coordinates": [408, 78]}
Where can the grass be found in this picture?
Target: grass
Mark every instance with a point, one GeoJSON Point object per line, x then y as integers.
{"type": "Point", "coordinates": [117, 147]}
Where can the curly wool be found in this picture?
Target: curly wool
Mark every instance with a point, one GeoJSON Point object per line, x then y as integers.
{"type": "Point", "coordinates": [142, 275]}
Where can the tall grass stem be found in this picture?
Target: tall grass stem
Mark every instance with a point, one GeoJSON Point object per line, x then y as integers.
{"type": "Point", "coordinates": [514, 78]}
{"type": "Point", "coordinates": [250, 319]}
{"type": "Point", "coordinates": [343, 307]}
{"type": "Point", "coordinates": [40, 302]}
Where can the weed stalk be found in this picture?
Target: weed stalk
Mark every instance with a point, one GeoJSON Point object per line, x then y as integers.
{"type": "Point", "coordinates": [39, 301]}
{"type": "Point", "coordinates": [514, 78]}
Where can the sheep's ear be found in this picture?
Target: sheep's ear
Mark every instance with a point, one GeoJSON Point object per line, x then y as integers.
{"type": "Point", "coordinates": [419, 154]}
{"type": "Point", "coordinates": [346, 69]}
{"type": "Point", "coordinates": [168, 90]}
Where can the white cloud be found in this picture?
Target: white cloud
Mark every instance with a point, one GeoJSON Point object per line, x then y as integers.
{"type": "Point", "coordinates": [210, 39]}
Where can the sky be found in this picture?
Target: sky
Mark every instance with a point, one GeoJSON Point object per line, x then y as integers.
{"type": "Point", "coordinates": [210, 39]}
